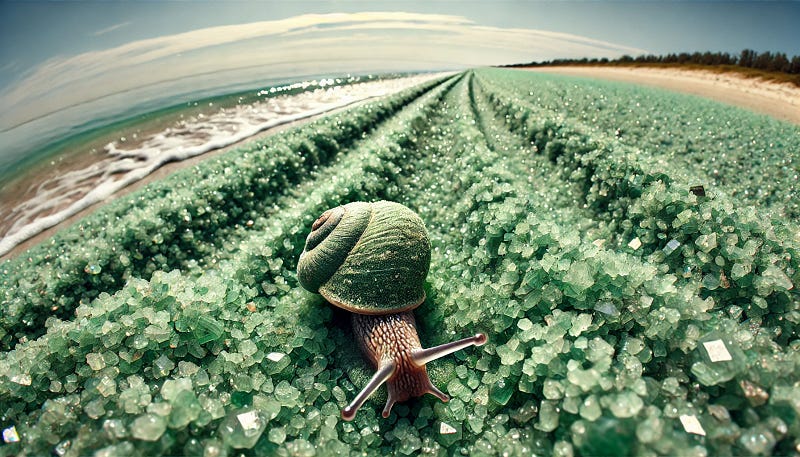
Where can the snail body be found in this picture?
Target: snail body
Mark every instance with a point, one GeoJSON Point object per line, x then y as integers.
{"type": "Point", "coordinates": [372, 259]}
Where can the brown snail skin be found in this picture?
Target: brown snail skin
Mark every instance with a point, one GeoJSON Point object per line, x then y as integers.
{"type": "Point", "coordinates": [372, 259]}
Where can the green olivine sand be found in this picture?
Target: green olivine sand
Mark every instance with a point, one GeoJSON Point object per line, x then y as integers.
{"type": "Point", "coordinates": [562, 226]}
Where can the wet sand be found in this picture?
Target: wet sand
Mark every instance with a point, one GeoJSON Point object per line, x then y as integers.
{"type": "Point", "coordinates": [90, 171]}
{"type": "Point", "coordinates": [161, 173]}
{"type": "Point", "coordinates": [779, 100]}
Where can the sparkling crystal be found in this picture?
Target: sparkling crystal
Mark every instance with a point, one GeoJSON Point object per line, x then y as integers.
{"type": "Point", "coordinates": [579, 276]}
{"type": "Point", "coordinates": [671, 246]}
{"type": "Point", "coordinates": [776, 278]}
{"type": "Point", "coordinates": [95, 361]}
{"type": "Point", "coordinates": [95, 408]}
{"type": "Point", "coordinates": [739, 270]}
{"type": "Point", "coordinates": [501, 392]}
{"type": "Point", "coordinates": [185, 409]}
{"type": "Point", "coordinates": [172, 387]}
{"type": "Point", "coordinates": [635, 243]}
{"type": "Point", "coordinates": [22, 379]}
{"type": "Point", "coordinates": [446, 429]}
{"type": "Point", "coordinates": [649, 430]}
{"type": "Point", "coordinates": [717, 351]}
{"type": "Point", "coordinates": [162, 366]}
{"type": "Point", "coordinates": [114, 428]}
{"type": "Point", "coordinates": [754, 393]}
{"type": "Point", "coordinates": [607, 308]}
{"type": "Point", "coordinates": [107, 386]}
{"type": "Point", "coordinates": [692, 425]}
{"type": "Point", "coordinates": [509, 356]}
{"type": "Point", "coordinates": [241, 430]}
{"type": "Point", "coordinates": [548, 416]}
{"type": "Point", "coordinates": [277, 435]}
{"type": "Point", "coordinates": [626, 404]}
{"type": "Point", "coordinates": [276, 356]}
{"type": "Point", "coordinates": [207, 329]}
{"type": "Point", "coordinates": [10, 434]}
{"type": "Point", "coordinates": [62, 448]}
{"type": "Point", "coordinates": [590, 409]}
{"type": "Point", "coordinates": [706, 242]}
{"type": "Point", "coordinates": [758, 441]}
{"type": "Point", "coordinates": [148, 427]}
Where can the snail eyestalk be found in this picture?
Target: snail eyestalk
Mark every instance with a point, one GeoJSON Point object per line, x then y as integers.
{"type": "Point", "coordinates": [423, 356]}
{"type": "Point", "coordinates": [391, 343]}
{"type": "Point", "coordinates": [380, 377]}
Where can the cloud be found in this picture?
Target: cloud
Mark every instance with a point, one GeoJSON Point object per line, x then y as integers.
{"type": "Point", "coordinates": [111, 28]}
{"type": "Point", "coordinates": [307, 44]}
{"type": "Point", "coordinates": [9, 66]}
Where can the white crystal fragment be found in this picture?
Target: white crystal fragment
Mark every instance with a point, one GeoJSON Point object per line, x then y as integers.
{"type": "Point", "coordinates": [22, 379]}
{"type": "Point", "coordinates": [692, 425]}
{"type": "Point", "coordinates": [10, 435]}
{"type": "Point", "coordinates": [599, 243]}
{"type": "Point", "coordinates": [446, 429]}
{"type": "Point", "coordinates": [635, 243]}
{"type": "Point", "coordinates": [276, 356]}
{"type": "Point", "coordinates": [671, 246]}
{"type": "Point", "coordinates": [717, 351]}
{"type": "Point", "coordinates": [249, 420]}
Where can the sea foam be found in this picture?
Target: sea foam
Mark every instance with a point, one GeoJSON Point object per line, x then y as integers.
{"type": "Point", "coordinates": [123, 164]}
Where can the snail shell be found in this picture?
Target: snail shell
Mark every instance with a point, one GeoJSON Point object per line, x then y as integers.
{"type": "Point", "coordinates": [372, 259]}
{"type": "Point", "coordinates": [367, 258]}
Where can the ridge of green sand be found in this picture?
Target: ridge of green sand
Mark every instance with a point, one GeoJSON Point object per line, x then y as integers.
{"type": "Point", "coordinates": [625, 314]}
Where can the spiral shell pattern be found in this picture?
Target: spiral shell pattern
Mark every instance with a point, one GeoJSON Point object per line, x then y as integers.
{"type": "Point", "coordinates": [368, 258]}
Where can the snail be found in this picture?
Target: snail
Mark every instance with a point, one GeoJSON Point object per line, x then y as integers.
{"type": "Point", "coordinates": [371, 259]}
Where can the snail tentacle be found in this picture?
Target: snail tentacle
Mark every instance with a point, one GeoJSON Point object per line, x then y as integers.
{"type": "Point", "coordinates": [423, 356]}
{"type": "Point", "coordinates": [392, 340]}
{"type": "Point", "coordinates": [381, 376]}
{"type": "Point", "coordinates": [433, 390]}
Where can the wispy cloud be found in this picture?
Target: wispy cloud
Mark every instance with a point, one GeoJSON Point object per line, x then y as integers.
{"type": "Point", "coordinates": [309, 43]}
{"type": "Point", "coordinates": [111, 28]}
{"type": "Point", "coordinates": [8, 66]}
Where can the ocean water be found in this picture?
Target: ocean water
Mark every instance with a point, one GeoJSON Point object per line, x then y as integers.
{"type": "Point", "coordinates": [72, 182]}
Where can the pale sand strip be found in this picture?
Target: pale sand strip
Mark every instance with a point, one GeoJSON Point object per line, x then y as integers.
{"type": "Point", "coordinates": [779, 100]}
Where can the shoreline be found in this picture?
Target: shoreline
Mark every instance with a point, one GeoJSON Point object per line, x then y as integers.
{"type": "Point", "coordinates": [35, 207]}
{"type": "Point", "coordinates": [778, 100]}
{"type": "Point", "coordinates": [161, 173]}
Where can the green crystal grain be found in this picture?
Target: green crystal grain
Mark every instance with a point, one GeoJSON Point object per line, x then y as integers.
{"type": "Point", "coordinates": [148, 427]}
{"type": "Point", "coordinates": [501, 391]}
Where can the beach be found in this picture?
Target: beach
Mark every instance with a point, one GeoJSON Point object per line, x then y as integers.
{"type": "Point", "coordinates": [161, 173]}
{"type": "Point", "coordinates": [779, 100]}
{"type": "Point", "coordinates": [618, 245]}
{"type": "Point", "coordinates": [60, 190]}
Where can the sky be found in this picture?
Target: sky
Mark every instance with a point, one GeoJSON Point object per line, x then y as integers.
{"type": "Point", "coordinates": [63, 62]}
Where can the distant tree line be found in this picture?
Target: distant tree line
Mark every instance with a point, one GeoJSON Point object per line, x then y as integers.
{"type": "Point", "coordinates": [766, 61]}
